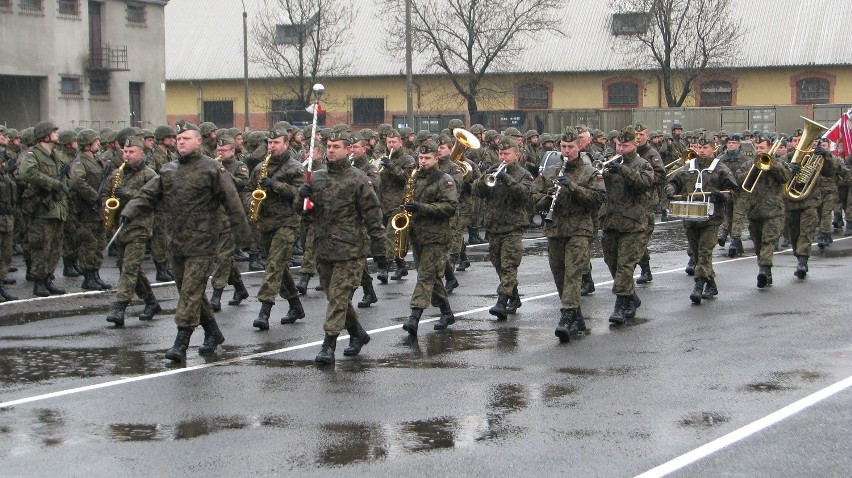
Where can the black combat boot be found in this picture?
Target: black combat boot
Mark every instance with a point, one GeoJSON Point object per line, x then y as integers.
{"type": "Point", "coordinates": [297, 250]}
{"type": "Point", "coordinates": [302, 283]}
{"type": "Point", "coordinates": [89, 280]}
{"type": "Point", "coordinates": [39, 289]}
{"type": "Point", "coordinates": [579, 323]}
{"type": "Point", "coordinates": [369, 296]}
{"type": "Point", "coordinates": [5, 295]}
{"type": "Point", "coordinates": [452, 282]}
{"type": "Point", "coordinates": [382, 275]}
{"type": "Point", "coordinates": [630, 305]}
{"type": "Point", "coordinates": [514, 301]}
{"type": "Point", "coordinates": [710, 289]}
{"type": "Point", "coordinates": [68, 269]}
{"type": "Point", "coordinates": [645, 276]}
{"type": "Point", "coordinates": [848, 231]}
{"type": "Point", "coordinates": [447, 317]}
{"type": "Point", "coordinates": [163, 274]}
{"type": "Point", "coordinates": [764, 276]}
{"type": "Point", "coordinates": [358, 337]}
{"type": "Point", "coordinates": [736, 247]}
{"type": "Point", "coordinates": [690, 265]}
{"type": "Point", "coordinates": [254, 262]}
{"type": "Point", "coordinates": [29, 275]}
{"type": "Point", "coordinates": [178, 351]}
{"type": "Point", "coordinates": [473, 236]}
{"type": "Point", "coordinates": [499, 309]}
{"type": "Point", "coordinates": [697, 290]}
{"type": "Point", "coordinates": [563, 330]}
{"type": "Point", "coordinates": [464, 263]}
{"type": "Point", "coordinates": [824, 240]}
{"type": "Point", "coordinates": [240, 256]}
{"type": "Point", "coordinates": [51, 287]}
{"type": "Point", "coordinates": [401, 270]}
{"type": "Point", "coordinates": [801, 268]}
{"type": "Point", "coordinates": [152, 307]}
{"type": "Point", "coordinates": [617, 316]}
{"type": "Point", "coordinates": [326, 354]}
{"type": "Point", "coordinates": [104, 285]}
{"type": "Point", "coordinates": [295, 312]}
{"type": "Point", "coordinates": [723, 238]}
{"type": "Point", "coordinates": [116, 313]}
{"type": "Point", "coordinates": [240, 293]}
{"type": "Point", "coordinates": [837, 221]}
{"type": "Point", "coordinates": [413, 321]}
{"type": "Point", "coordinates": [216, 299]}
{"type": "Point", "coordinates": [262, 320]}
{"type": "Point", "coordinates": [212, 337]}
{"type": "Point", "coordinates": [588, 285]}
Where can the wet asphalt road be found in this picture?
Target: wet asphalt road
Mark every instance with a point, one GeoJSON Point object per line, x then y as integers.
{"type": "Point", "coordinates": [481, 399]}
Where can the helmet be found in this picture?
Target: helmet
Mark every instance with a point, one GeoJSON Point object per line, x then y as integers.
{"type": "Point", "coordinates": [367, 133]}
{"type": "Point", "coordinates": [545, 138]}
{"type": "Point", "coordinates": [125, 133]}
{"type": "Point", "coordinates": [12, 133]}
{"type": "Point", "coordinates": [490, 135]}
{"type": "Point", "coordinates": [163, 132]}
{"type": "Point", "coordinates": [87, 137]}
{"type": "Point", "coordinates": [477, 129]}
{"type": "Point", "coordinates": [423, 135]}
{"type": "Point", "coordinates": [282, 125]}
{"type": "Point", "coordinates": [384, 129]}
{"type": "Point", "coordinates": [66, 136]}
{"type": "Point", "coordinates": [255, 138]}
{"type": "Point", "coordinates": [676, 125]}
{"type": "Point", "coordinates": [27, 136]}
{"type": "Point", "coordinates": [43, 129]}
{"type": "Point", "coordinates": [530, 133]}
{"type": "Point", "coordinates": [455, 123]}
{"type": "Point", "coordinates": [147, 133]}
{"type": "Point", "coordinates": [206, 128]}
{"type": "Point", "coordinates": [512, 132]}
{"type": "Point", "coordinates": [404, 132]}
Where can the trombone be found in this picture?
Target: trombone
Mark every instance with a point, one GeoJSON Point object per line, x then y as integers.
{"type": "Point", "coordinates": [762, 162]}
{"type": "Point", "coordinates": [491, 178]}
{"type": "Point", "coordinates": [675, 165]}
{"type": "Point", "coordinates": [602, 166]}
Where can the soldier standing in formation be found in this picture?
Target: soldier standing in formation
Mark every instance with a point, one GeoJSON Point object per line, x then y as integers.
{"type": "Point", "coordinates": [647, 152]}
{"type": "Point", "coordinates": [8, 202]}
{"type": "Point", "coordinates": [358, 152]}
{"type": "Point", "coordinates": [394, 171]}
{"type": "Point", "coordinates": [162, 153]}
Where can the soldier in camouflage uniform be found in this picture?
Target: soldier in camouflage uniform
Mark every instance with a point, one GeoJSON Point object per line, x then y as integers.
{"type": "Point", "coordinates": [624, 218]}
{"type": "Point", "coordinates": [578, 189]}
{"type": "Point", "coordinates": [827, 189]}
{"type": "Point", "coordinates": [8, 205]}
{"type": "Point", "coordinates": [709, 175]}
{"type": "Point", "coordinates": [208, 138]}
{"type": "Point", "coordinates": [46, 201]}
{"type": "Point", "coordinates": [649, 154]}
{"type": "Point", "coordinates": [733, 158]}
{"type": "Point", "coordinates": [162, 154]}
{"type": "Point", "coordinates": [346, 212]}
{"type": "Point", "coordinates": [124, 184]}
{"type": "Point", "coordinates": [530, 152]}
{"type": "Point", "coordinates": [394, 172]}
{"type": "Point", "coordinates": [225, 271]}
{"type": "Point", "coordinates": [278, 225]}
{"type": "Point", "coordinates": [88, 182]}
{"type": "Point", "coordinates": [435, 202]}
{"type": "Point", "coordinates": [66, 151]}
{"type": "Point", "coordinates": [362, 162]}
{"type": "Point", "coordinates": [764, 209]}
{"type": "Point", "coordinates": [445, 147]}
{"type": "Point", "coordinates": [193, 188]}
{"type": "Point", "coordinates": [506, 219]}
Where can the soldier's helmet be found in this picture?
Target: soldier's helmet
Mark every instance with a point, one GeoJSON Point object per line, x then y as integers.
{"type": "Point", "coordinates": [255, 138]}
{"type": "Point", "coordinates": [546, 138]}
{"type": "Point", "coordinates": [163, 132]}
{"type": "Point", "coordinates": [206, 128]}
{"type": "Point", "coordinates": [530, 133]}
{"type": "Point", "coordinates": [43, 129]}
{"type": "Point", "coordinates": [12, 133]}
{"type": "Point", "coordinates": [423, 135]}
{"type": "Point", "coordinates": [405, 132]}
{"type": "Point", "coordinates": [125, 133]}
{"type": "Point", "coordinates": [66, 137]}
{"type": "Point", "coordinates": [455, 123]}
{"type": "Point", "coordinates": [86, 137]}
{"type": "Point", "coordinates": [512, 132]}
{"type": "Point", "coordinates": [367, 133]}
{"type": "Point", "coordinates": [489, 135]}
{"type": "Point", "coordinates": [147, 133]}
{"type": "Point", "coordinates": [477, 129]}
{"type": "Point", "coordinates": [282, 125]}
{"type": "Point", "coordinates": [384, 129]}
{"type": "Point", "coordinates": [28, 136]}
{"type": "Point", "coordinates": [676, 125]}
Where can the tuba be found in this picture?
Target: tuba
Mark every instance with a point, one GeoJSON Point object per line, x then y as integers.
{"type": "Point", "coordinates": [802, 185]}
{"type": "Point", "coordinates": [401, 221]}
{"type": "Point", "coordinates": [464, 140]}
{"type": "Point", "coordinates": [762, 162]}
{"type": "Point", "coordinates": [259, 194]}
{"type": "Point", "coordinates": [112, 203]}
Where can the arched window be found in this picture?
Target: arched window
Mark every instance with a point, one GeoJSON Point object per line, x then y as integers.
{"type": "Point", "coordinates": [813, 90]}
{"type": "Point", "coordinates": [716, 93]}
{"type": "Point", "coordinates": [623, 93]}
{"type": "Point", "coordinates": [533, 96]}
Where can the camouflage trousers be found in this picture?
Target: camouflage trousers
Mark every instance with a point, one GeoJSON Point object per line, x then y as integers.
{"type": "Point", "coordinates": [277, 280]}
{"type": "Point", "coordinates": [191, 275]}
{"type": "Point", "coordinates": [738, 216]}
{"type": "Point", "coordinates": [458, 224]}
{"type": "Point", "coordinates": [843, 204]}
{"type": "Point", "coordinates": [132, 279]}
{"type": "Point", "coordinates": [366, 278]}
{"type": "Point", "coordinates": [764, 234]}
{"type": "Point", "coordinates": [477, 212]}
{"type": "Point", "coordinates": [70, 239]}
{"type": "Point", "coordinates": [390, 242]}
{"type": "Point", "coordinates": [505, 252]}
{"type": "Point", "coordinates": [702, 239]}
{"type": "Point", "coordinates": [801, 225]}
{"type": "Point", "coordinates": [339, 280]}
{"type": "Point", "coordinates": [828, 201]}
{"type": "Point", "coordinates": [7, 242]}
{"type": "Point", "coordinates": [44, 237]}
{"type": "Point", "coordinates": [225, 271]}
{"type": "Point", "coordinates": [92, 242]}
{"type": "Point", "coordinates": [568, 257]}
{"type": "Point", "coordinates": [161, 237]}
{"type": "Point", "coordinates": [429, 259]}
{"type": "Point", "coordinates": [309, 267]}
{"type": "Point", "coordinates": [622, 251]}
{"type": "Point", "coordinates": [646, 238]}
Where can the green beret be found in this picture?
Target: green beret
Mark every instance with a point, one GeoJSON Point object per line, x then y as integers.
{"type": "Point", "coordinates": [341, 127]}
{"type": "Point", "coordinates": [282, 125]}
{"type": "Point", "coordinates": [134, 141]}
{"type": "Point", "coordinates": [568, 136]}
{"type": "Point", "coordinates": [612, 135]}
{"type": "Point", "coordinates": [445, 139]}
{"type": "Point", "coordinates": [427, 147]}
{"type": "Point", "coordinates": [626, 134]}
{"type": "Point", "coordinates": [224, 140]}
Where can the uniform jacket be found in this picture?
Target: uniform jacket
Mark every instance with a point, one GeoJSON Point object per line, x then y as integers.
{"type": "Point", "coordinates": [160, 156]}
{"type": "Point", "coordinates": [627, 195]}
{"type": "Point", "coordinates": [720, 179]}
{"type": "Point", "coordinates": [650, 154]}
{"type": "Point", "coordinates": [44, 197]}
{"type": "Point", "coordinates": [392, 183]}
{"type": "Point", "coordinates": [576, 204]}
{"type": "Point", "coordinates": [282, 207]}
{"type": "Point", "coordinates": [133, 179]}
{"type": "Point", "coordinates": [767, 200]}
{"type": "Point", "coordinates": [240, 175]}
{"type": "Point", "coordinates": [371, 170]}
{"type": "Point", "coordinates": [8, 199]}
{"type": "Point", "coordinates": [829, 169]}
{"type": "Point", "coordinates": [87, 175]}
{"type": "Point", "coordinates": [436, 192]}
{"type": "Point", "coordinates": [506, 202]}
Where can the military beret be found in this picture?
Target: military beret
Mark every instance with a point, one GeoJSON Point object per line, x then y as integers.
{"type": "Point", "coordinates": [477, 129]}
{"type": "Point", "coordinates": [506, 142]}
{"type": "Point", "coordinates": [784, 142]}
{"type": "Point", "coordinates": [44, 128]}
{"type": "Point", "coordinates": [735, 137]}
{"type": "Point", "coordinates": [278, 133]}
{"type": "Point", "coordinates": [427, 147]}
{"type": "Point", "coordinates": [755, 132]}
{"type": "Point", "coordinates": [626, 134]}
{"type": "Point", "coordinates": [568, 136]}
{"type": "Point", "coordinates": [184, 125]}
{"type": "Point", "coordinates": [530, 133]}
{"type": "Point", "coordinates": [676, 125]}
{"type": "Point", "coordinates": [405, 132]}
{"type": "Point", "coordinates": [723, 133]}
{"type": "Point", "coordinates": [392, 133]}
{"type": "Point", "coordinates": [512, 132]}
{"type": "Point", "coordinates": [86, 137]}
{"type": "Point", "coordinates": [581, 128]}
{"type": "Point", "coordinates": [66, 136]}
{"type": "Point", "coordinates": [130, 141]}
{"type": "Point", "coordinates": [164, 131]}
{"type": "Point", "coordinates": [324, 133]}
{"type": "Point", "coordinates": [640, 126]}
{"type": "Point", "coordinates": [455, 123]}
{"type": "Point", "coordinates": [759, 138]}
{"type": "Point", "coordinates": [746, 133]}
{"type": "Point", "coordinates": [224, 140]}
{"type": "Point", "coordinates": [340, 135]}
{"type": "Point", "coordinates": [206, 128]}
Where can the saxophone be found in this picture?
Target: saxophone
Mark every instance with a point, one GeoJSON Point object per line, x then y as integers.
{"type": "Point", "coordinates": [401, 221]}
{"type": "Point", "coordinates": [259, 194]}
{"type": "Point", "coordinates": [112, 203]}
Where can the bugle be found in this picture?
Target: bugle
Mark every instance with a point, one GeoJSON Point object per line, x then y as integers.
{"type": "Point", "coordinates": [762, 162]}
{"type": "Point", "coordinates": [680, 162]}
{"type": "Point", "coordinates": [604, 165]}
{"type": "Point", "coordinates": [491, 178]}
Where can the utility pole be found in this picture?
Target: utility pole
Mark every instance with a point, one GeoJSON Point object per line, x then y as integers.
{"type": "Point", "coordinates": [409, 88]}
{"type": "Point", "coordinates": [245, 68]}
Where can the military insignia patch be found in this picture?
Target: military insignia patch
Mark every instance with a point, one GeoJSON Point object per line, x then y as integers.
{"type": "Point", "coordinates": [221, 169]}
{"type": "Point", "coordinates": [451, 184]}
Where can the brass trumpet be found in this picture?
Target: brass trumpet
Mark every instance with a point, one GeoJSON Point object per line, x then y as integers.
{"type": "Point", "coordinates": [604, 165]}
{"type": "Point", "coordinates": [675, 165]}
{"type": "Point", "coordinates": [762, 162]}
{"type": "Point", "coordinates": [491, 179]}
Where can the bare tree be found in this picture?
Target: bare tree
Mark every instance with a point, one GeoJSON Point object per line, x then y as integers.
{"type": "Point", "coordinates": [681, 37]}
{"type": "Point", "coordinates": [469, 39]}
{"type": "Point", "coordinates": [299, 41]}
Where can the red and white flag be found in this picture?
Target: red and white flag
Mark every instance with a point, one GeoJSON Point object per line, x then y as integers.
{"type": "Point", "coordinates": [841, 135]}
{"type": "Point", "coordinates": [310, 109]}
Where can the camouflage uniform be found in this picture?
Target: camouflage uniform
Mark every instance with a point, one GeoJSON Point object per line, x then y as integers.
{"type": "Point", "coordinates": [161, 235]}
{"type": "Point", "coordinates": [393, 179]}
{"type": "Point", "coordinates": [801, 215]}
{"type": "Point", "coordinates": [827, 189]}
{"type": "Point", "coordinates": [367, 167]}
{"type": "Point", "coordinates": [70, 236]}
{"type": "Point", "coordinates": [225, 272]}
{"type": "Point", "coordinates": [87, 176]}
{"type": "Point", "coordinates": [650, 154]}
{"type": "Point", "coordinates": [8, 204]}
{"type": "Point", "coordinates": [733, 159]}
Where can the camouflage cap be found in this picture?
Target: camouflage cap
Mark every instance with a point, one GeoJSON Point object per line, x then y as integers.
{"type": "Point", "coordinates": [340, 135]}
{"type": "Point", "coordinates": [446, 139]}
{"type": "Point", "coordinates": [86, 137]}
{"type": "Point", "coordinates": [427, 147]}
{"type": "Point", "coordinates": [282, 125]}
{"type": "Point", "coordinates": [455, 123]}
{"type": "Point", "coordinates": [255, 138]}
{"type": "Point", "coordinates": [512, 132]}
{"type": "Point", "coordinates": [477, 129]}
{"type": "Point", "coordinates": [66, 136]}
{"type": "Point", "coordinates": [183, 125]}
{"type": "Point", "coordinates": [704, 138]}
{"type": "Point", "coordinates": [392, 133]}
{"type": "Point", "coordinates": [746, 134]}
{"type": "Point", "coordinates": [355, 137]}
{"type": "Point", "coordinates": [224, 140]}
{"type": "Point", "coordinates": [234, 132]}
{"type": "Point", "coordinates": [656, 133]}
{"type": "Point", "coordinates": [222, 131]}
{"type": "Point", "coordinates": [163, 132]}
{"type": "Point", "coordinates": [206, 128]}
{"type": "Point", "coordinates": [108, 136]}
{"type": "Point", "coordinates": [341, 127]}
{"type": "Point", "coordinates": [279, 133]}
{"type": "Point", "coordinates": [568, 136]}
{"type": "Point", "coordinates": [446, 131]}
{"type": "Point", "coordinates": [506, 142]}
{"type": "Point", "coordinates": [626, 134]}
{"type": "Point", "coordinates": [43, 128]}
{"type": "Point", "coordinates": [530, 133]}
{"type": "Point", "coordinates": [131, 141]}
{"type": "Point", "coordinates": [723, 133]}
{"type": "Point", "coordinates": [325, 133]}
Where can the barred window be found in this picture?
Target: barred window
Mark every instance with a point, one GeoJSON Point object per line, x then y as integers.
{"type": "Point", "coordinates": [136, 14]}
{"type": "Point", "coordinates": [533, 96]}
{"type": "Point", "coordinates": [99, 86]}
{"type": "Point", "coordinates": [31, 6]}
{"type": "Point", "coordinates": [813, 90]}
{"type": "Point", "coordinates": [716, 93]}
{"type": "Point", "coordinates": [368, 111]}
{"type": "Point", "coordinates": [70, 85]}
{"type": "Point", "coordinates": [6, 5]}
{"type": "Point", "coordinates": [623, 93]}
{"type": "Point", "coordinates": [69, 7]}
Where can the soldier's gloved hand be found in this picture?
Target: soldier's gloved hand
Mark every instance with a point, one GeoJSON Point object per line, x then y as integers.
{"type": "Point", "coordinates": [305, 190]}
{"type": "Point", "coordinates": [614, 167]}
{"type": "Point", "coordinates": [122, 220]}
{"type": "Point", "coordinates": [384, 161]}
{"type": "Point", "coordinates": [670, 193]}
{"type": "Point", "coordinates": [381, 262]}
{"type": "Point", "coordinates": [501, 176]}
{"type": "Point", "coordinates": [412, 207]}
{"type": "Point", "coordinates": [119, 191]}
{"type": "Point", "coordinates": [552, 191]}
{"type": "Point", "coordinates": [795, 168]}
{"type": "Point", "coordinates": [563, 181]}
{"type": "Point", "coordinates": [466, 188]}
{"type": "Point", "coordinates": [267, 182]}
{"type": "Point", "coordinates": [717, 196]}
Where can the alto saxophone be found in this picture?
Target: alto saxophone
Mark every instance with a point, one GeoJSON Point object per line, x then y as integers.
{"type": "Point", "coordinates": [112, 203]}
{"type": "Point", "coordinates": [401, 221]}
{"type": "Point", "coordinates": [259, 194]}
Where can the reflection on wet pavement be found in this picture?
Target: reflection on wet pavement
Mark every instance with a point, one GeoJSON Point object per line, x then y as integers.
{"type": "Point", "coordinates": [32, 365]}
{"type": "Point", "coordinates": [704, 420]}
{"type": "Point", "coordinates": [185, 430]}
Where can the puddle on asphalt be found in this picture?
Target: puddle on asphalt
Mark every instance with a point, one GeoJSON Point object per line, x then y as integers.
{"type": "Point", "coordinates": [798, 375]}
{"type": "Point", "coordinates": [595, 372]}
{"type": "Point", "coordinates": [704, 420]}
{"type": "Point", "coordinates": [766, 387]}
{"type": "Point", "coordinates": [33, 365]}
{"type": "Point", "coordinates": [185, 430]}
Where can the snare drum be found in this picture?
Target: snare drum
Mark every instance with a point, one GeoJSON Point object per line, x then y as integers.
{"type": "Point", "coordinates": [691, 210]}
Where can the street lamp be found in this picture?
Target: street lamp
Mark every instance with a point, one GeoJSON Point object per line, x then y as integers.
{"type": "Point", "coordinates": [245, 67]}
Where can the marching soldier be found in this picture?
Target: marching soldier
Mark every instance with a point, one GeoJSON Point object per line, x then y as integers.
{"type": "Point", "coordinates": [208, 138]}
{"type": "Point", "coordinates": [703, 179]}
{"type": "Point", "coordinates": [435, 202]}
{"type": "Point", "coordinates": [161, 154]}
{"type": "Point", "coordinates": [66, 150]}
{"type": "Point", "coordinates": [649, 154]}
{"type": "Point", "coordinates": [358, 150]}
{"type": "Point", "coordinates": [123, 184]}
{"type": "Point", "coordinates": [193, 188]}
{"type": "Point", "coordinates": [8, 205]}
{"type": "Point", "coordinates": [578, 191]}
{"type": "Point", "coordinates": [346, 212]}
{"type": "Point", "coordinates": [394, 171]}
{"type": "Point", "coordinates": [445, 147]}
{"type": "Point", "coordinates": [629, 182]}
{"type": "Point", "coordinates": [733, 158]}
{"type": "Point", "coordinates": [827, 189]}
{"type": "Point", "coordinates": [506, 202]}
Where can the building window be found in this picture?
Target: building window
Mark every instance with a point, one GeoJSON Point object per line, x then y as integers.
{"type": "Point", "coordinates": [99, 86]}
{"type": "Point", "coordinates": [136, 14]}
{"type": "Point", "coordinates": [70, 86]}
{"type": "Point", "coordinates": [623, 94]}
{"type": "Point", "coordinates": [716, 93]}
{"type": "Point", "coordinates": [632, 23]}
{"type": "Point", "coordinates": [367, 111]}
{"type": "Point", "coordinates": [69, 8]}
{"type": "Point", "coordinates": [813, 90]}
{"type": "Point", "coordinates": [533, 96]}
{"type": "Point", "coordinates": [293, 34]}
{"type": "Point", "coordinates": [5, 6]}
{"type": "Point", "coordinates": [31, 6]}
{"type": "Point", "coordinates": [220, 113]}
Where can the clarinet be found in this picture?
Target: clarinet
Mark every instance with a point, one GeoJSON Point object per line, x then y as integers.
{"type": "Point", "coordinates": [549, 216]}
